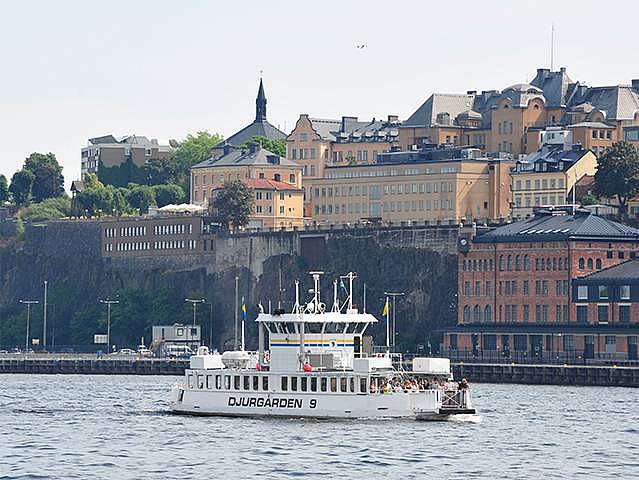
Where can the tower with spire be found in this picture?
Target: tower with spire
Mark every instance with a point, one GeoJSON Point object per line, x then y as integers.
{"type": "Point", "coordinates": [260, 126]}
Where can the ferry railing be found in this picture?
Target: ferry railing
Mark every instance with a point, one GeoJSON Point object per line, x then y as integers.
{"type": "Point", "coordinates": [455, 399]}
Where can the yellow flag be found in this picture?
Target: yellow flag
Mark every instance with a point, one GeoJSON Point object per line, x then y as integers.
{"type": "Point", "coordinates": [385, 311]}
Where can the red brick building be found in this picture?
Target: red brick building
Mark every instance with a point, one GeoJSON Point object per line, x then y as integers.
{"type": "Point", "coordinates": [516, 281]}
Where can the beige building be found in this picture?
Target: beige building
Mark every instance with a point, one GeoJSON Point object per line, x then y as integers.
{"type": "Point", "coordinates": [277, 204]}
{"type": "Point", "coordinates": [445, 184]}
{"type": "Point", "coordinates": [547, 177]}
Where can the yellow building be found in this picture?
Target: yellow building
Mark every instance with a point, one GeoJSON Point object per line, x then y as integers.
{"type": "Point", "coordinates": [547, 177]}
{"type": "Point", "coordinates": [278, 183]}
{"type": "Point", "coordinates": [446, 184]}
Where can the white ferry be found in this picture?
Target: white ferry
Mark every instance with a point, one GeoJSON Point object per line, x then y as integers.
{"type": "Point", "coordinates": [315, 366]}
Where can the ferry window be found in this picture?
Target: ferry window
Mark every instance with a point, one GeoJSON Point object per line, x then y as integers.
{"type": "Point", "coordinates": [227, 382]}
{"type": "Point", "coordinates": [314, 384]}
{"type": "Point", "coordinates": [322, 384]}
{"type": "Point", "coordinates": [265, 383]}
{"type": "Point", "coordinates": [256, 382]}
{"type": "Point", "coordinates": [200, 381]}
{"type": "Point", "coordinates": [247, 382]}
{"type": "Point", "coordinates": [284, 384]}
{"type": "Point", "coordinates": [236, 382]}
{"type": "Point", "coordinates": [352, 384]}
{"type": "Point", "coordinates": [342, 384]}
{"type": "Point", "coordinates": [333, 384]}
{"type": "Point", "coordinates": [363, 385]}
{"type": "Point", "coordinates": [304, 384]}
{"type": "Point", "coordinates": [294, 384]}
{"type": "Point", "coordinates": [218, 381]}
{"type": "Point", "coordinates": [190, 379]}
{"type": "Point", "coordinates": [209, 381]}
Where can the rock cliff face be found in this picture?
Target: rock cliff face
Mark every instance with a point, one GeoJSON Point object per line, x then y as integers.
{"type": "Point", "coordinates": [421, 263]}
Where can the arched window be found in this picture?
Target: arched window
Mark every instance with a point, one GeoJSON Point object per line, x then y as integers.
{"type": "Point", "coordinates": [490, 265]}
{"type": "Point", "coordinates": [590, 266]}
{"type": "Point", "coordinates": [488, 314]}
{"type": "Point", "coordinates": [466, 314]}
{"type": "Point", "coordinates": [517, 263]}
{"type": "Point", "coordinates": [566, 263]}
{"type": "Point", "coordinates": [582, 264]}
{"type": "Point", "coordinates": [537, 264]}
{"type": "Point", "coordinates": [561, 264]}
{"type": "Point", "coordinates": [548, 264]}
{"type": "Point", "coordinates": [501, 263]}
{"type": "Point", "coordinates": [474, 265]}
{"type": "Point", "coordinates": [485, 265]}
{"type": "Point", "coordinates": [554, 263]}
{"type": "Point", "coordinates": [465, 265]}
{"type": "Point", "coordinates": [477, 314]}
{"type": "Point", "coordinates": [526, 263]}
{"type": "Point", "coordinates": [510, 263]}
{"type": "Point", "coordinates": [598, 264]}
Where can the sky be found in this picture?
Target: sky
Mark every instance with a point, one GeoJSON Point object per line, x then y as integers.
{"type": "Point", "coordinates": [71, 70]}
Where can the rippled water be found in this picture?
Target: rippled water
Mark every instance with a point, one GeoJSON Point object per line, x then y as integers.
{"type": "Point", "coordinates": [118, 427]}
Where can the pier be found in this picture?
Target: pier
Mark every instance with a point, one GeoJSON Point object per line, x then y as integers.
{"type": "Point", "coordinates": [584, 375]}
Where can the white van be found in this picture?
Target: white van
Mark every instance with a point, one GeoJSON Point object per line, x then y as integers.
{"type": "Point", "coordinates": [178, 351]}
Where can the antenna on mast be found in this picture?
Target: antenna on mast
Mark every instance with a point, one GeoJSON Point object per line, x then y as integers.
{"type": "Point", "coordinates": [552, 47]}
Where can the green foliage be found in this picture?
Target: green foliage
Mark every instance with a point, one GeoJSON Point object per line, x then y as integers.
{"type": "Point", "coordinates": [48, 209]}
{"type": "Point", "coordinates": [107, 200]}
{"type": "Point", "coordinates": [234, 203]}
{"type": "Point", "coordinates": [168, 194]}
{"type": "Point", "coordinates": [19, 229]}
{"type": "Point", "coordinates": [618, 173]}
{"type": "Point", "coordinates": [140, 197]}
{"type": "Point", "coordinates": [21, 184]}
{"type": "Point", "coordinates": [277, 146]}
{"type": "Point", "coordinates": [91, 181]}
{"type": "Point", "coordinates": [160, 171]}
{"type": "Point", "coordinates": [193, 149]}
{"type": "Point", "coordinates": [4, 189]}
{"type": "Point", "coordinates": [589, 199]}
{"type": "Point", "coordinates": [121, 175]}
{"type": "Point", "coordinates": [48, 181]}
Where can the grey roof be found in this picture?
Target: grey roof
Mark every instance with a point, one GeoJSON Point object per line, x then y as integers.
{"type": "Point", "coordinates": [626, 271]}
{"type": "Point", "coordinates": [591, 125]}
{"type": "Point", "coordinates": [554, 156]}
{"type": "Point", "coordinates": [557, 226]}
{"type": "Point", "coordinates": [138, 140]}
{"type": "Point", "coordinates": [351, 129]}
{"type": "Point", "coordinates": [522, 93]}
{"type": "Point", "coordinates": [556, 86]}
{"type": "Point", "coordinates": [620, 102]}
{"type": "Point", "coordinates": [325, 127]}
{"type": "Point", "coordinates": [244, 157]}
{"type": "Point", "coordinates": [451, 103]}
{"type": "Point", "coordinates": [260, 126]}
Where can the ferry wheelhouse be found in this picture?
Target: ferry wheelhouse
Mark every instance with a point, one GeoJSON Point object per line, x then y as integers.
{"type": "Point", "coordinates": [316, 365]}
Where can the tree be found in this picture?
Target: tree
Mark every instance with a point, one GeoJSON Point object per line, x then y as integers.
{"type": "Point", "coordinates": [49, 209]}
{"type": "Point", "coordinates": [589, 199]}
{"type": "Point", "coordinates": [48, 181]}
{"type": "Point", "coordinates": [21, 184]}
{"type": "Point", "coordinates": [277, 146]}
{"type": "Point", "coordinates": [193, 149]}
{"type": "Point", "coordinates": [618, 173]}
{"type": "Point", "coordinates": [234, 204]}
{"type": "Point", "coordinates": [140, 197]}
{"type": "Point", "coordinates": [168, 194]}
{"type": "Point", "coordinates": [160, 171]}
{"type": "Point", "coordinates": [4, 189]}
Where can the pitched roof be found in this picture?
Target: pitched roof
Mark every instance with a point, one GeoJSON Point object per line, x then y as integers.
{"type": "Point", "coordinates": [451, 103]}
{"type": "Point", "coordinates": [626, 271]}
{"type": "Point", "coordinates": [266, 184]}
{"type": "Point", "coordinates": [325, 127]}
{"type": "Point", "coordinates": [620, 102]}
{"type": "Point", "coordinates": [556, 86]}
{"type": "Point", "coordinates": [552, 155]}
{"type": "Point", "coordinates": [550, 226]}
{"type": "Point", "coordinates": [253, 156]}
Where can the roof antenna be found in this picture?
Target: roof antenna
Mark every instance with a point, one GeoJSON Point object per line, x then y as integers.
{"type": "Point", "coordinates": [552, 47]}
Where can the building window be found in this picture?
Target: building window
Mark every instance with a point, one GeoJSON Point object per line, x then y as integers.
{"type": "Point", "coordinates": [487, 314]}
{"type": "Point", "coordinates": [590, 264]}
{"type": "Point", "coordinates": [603, 292]}
{"type": "Point", "coordinates": [582, 264]}
{"type": "Point", "coordinates": [624, 292]}
{"type": "Point", "coordinates": [501, 263]}
{"type": "Point", "coordinates": [602, 313]}
{"type": "Point", "coordinates": [466, 314]}
{"type": "Point", "coordinates": [477, 314]}
{"type": "Point", "coordinates": [598, 264]}
{"type": "Point", "coordinates": [624, 313]}
{"type": "Point", "coordinates": [582, 313]}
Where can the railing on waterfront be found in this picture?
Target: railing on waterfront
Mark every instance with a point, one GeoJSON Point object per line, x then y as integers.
{"type": "Point", "coordinates": [543, 357]}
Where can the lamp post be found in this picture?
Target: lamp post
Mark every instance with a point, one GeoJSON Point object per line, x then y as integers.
{"type": "Point", "coordinates": [28, 303]}
{"type": "Point", "coordinates": [237, 279]}
{"type": "Point", "coordinates": [44, 319]}
{"type": "Point", "coordinates": [108, 303]}
{"type": "Point", "coordinates": [394, 295]}
{"type": "Point", "coordinates": [194, 302]}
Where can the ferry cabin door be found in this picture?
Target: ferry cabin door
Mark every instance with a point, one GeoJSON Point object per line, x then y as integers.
{"type": "Point", "coordinates": [357, 346]}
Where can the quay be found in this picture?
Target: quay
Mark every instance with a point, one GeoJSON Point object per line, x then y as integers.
{"type": "Point", "coordinates": [90, 364]}
{"type": "Point", "coordinates": [583, 375]}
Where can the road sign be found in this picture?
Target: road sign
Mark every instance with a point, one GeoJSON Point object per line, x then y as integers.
{"type": "Point", "coordinates": [99, 338]}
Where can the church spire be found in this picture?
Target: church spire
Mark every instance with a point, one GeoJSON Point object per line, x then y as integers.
{"type": "Point", "coordinates": [260, 104]}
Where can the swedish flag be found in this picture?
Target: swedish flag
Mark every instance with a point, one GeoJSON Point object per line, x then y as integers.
{"type": "Point", "coordinates": [243, 310]}
{"type": "Point", "coordinates": [386, 310]}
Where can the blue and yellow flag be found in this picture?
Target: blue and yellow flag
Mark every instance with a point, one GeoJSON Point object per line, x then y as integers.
{"type": "Point", "coordinates": [385, 311]}
{"type": "Point", "coordinates": [243, 310]}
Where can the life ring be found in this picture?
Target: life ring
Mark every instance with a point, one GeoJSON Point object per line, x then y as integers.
{"type": "Point", "coordinates": [267, 357]}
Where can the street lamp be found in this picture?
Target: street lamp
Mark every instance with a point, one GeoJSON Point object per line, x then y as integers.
{"type": "Point", "coordinates": [194, 302]}
{"type": "Point", "coordinates": [28, 303]}
{"type": "Point", "coordinates": [108, 303]}
{"type": "Point", "coordinates": [394, 295]}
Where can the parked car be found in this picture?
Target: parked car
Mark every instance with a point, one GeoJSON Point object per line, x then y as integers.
{"type": "Point", "coordinates": [144, 352]}
{"type": "Point", "coordinates": [126, 351]}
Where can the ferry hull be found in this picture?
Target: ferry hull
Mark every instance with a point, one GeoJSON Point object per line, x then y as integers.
{"type": "Point", "coordinates": [411, 405]}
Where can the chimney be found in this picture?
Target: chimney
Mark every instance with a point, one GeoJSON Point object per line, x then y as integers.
{"type": "Point", "coordinates": [576, 147]}
{"type": "Point", "coordinates": [471, 92]}
{"type": "Point", "coordinates": [562, 69]}
{"type": "Point", "coordinates": [253, 147]}
{"type": "Point", "coordinates": [393, 119]}
{"type": "Point", "coordinates": [228, 148]}
{"type": "Point", "coordinates": [635, 83]}
{"type": "Point", "coordinates": [346, 121]}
